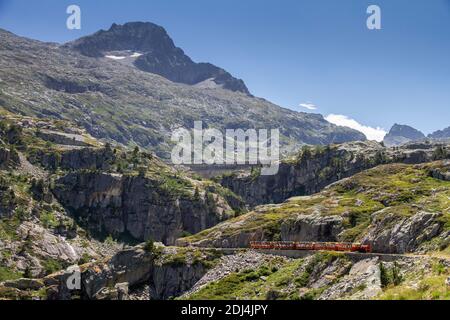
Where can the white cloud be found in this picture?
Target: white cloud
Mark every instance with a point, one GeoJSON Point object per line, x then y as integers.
{"type": "Point", "coordinates": [309, 106]}
{"type": "Point", "coordinates": [376, 134]}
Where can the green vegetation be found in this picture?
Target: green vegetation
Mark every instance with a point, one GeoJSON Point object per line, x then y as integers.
{"type": "Point", "coordinates": [51, 266]}
{"type": "Point", "coordinates": [9, 274]}
{"type": "Point", "coordinates": [149, 246]}
{"type": "Point", "coordinates": [246, 284]}
{"type": "Point", "coordinates": [208, 258]}
{"type": "Point", "coordinates": [275, 280]}
{"type": "Point", "coordinates": [390, 276]}
{"type": "Point", "coordinates": [85, 258]}
{"type": "Point", "coordinates": [49, 219]}
{"type": "Point", "coordinates": [431, 287]}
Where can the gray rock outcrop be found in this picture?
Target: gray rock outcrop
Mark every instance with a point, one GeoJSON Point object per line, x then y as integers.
{"type": "Point", "coordinates": [393, 234]}
{"type": "Point", "coordinates": [312, 228]}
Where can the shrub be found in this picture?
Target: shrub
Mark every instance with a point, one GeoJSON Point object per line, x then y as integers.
{"type": "Point", "coordinates": [391, 276]}
{"type": "Point", "coordinates": [8, 274]}
{"type": "Point", "coordinates": [52, 266]}
{"type": "Point", "coordinates": [149, 246]}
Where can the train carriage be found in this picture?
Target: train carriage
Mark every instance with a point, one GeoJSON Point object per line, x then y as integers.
{"type": "Point", "coordinates": [311, 246]}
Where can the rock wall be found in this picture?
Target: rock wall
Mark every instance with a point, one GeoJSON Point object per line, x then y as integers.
{"type": "Point", "coordinates": [76, 159]}
{"type": "Point", "coordinates": [113, 204]}
{"type": "Point", "coordinates": [312, 228]}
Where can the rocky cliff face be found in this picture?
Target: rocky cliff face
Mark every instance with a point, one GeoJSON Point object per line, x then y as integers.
{"type": "Point", "coordinates": [166, 272]}
{"type": "Point", "coordinates": [76, 159]}
{"type": "Point", "coordinates": [64, 205]}
{"type": "Point", "coordinates": [111, 204]}
{"type": "Point", "coordinates": [312, 228]}
{"type": "Point", "coordinates": [393, 235]}
{"type": "Point", "coordinates": [313, 169]}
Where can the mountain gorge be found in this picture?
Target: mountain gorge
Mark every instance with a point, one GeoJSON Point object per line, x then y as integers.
{"type": "Point", "coordinates": [85, 186]}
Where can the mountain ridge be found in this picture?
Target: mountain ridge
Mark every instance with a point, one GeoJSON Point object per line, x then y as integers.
{"type": "Point", "coordinates": [116, 102]}
{"type": "Point", "coordinates": [404, 134]}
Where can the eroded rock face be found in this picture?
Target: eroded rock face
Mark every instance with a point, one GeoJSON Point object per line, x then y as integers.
{"type": "Point", "coordinates": [171, 280]}
{"type": "Point", "coordinates": [440, 174]}
{"type": "Point", "coordinates": [365, 275]}
{"type": "Point", "coordinates": [8, 158]}
{"type": "Point", "coordinates": [312, 228]}
{"type": "Point", "coordinates": [77, 159]}
{"type": "Point", "coordinates": [391, 234]}
{"type": "Point", "coordinates": [112, 204]}
{"type": "Point", "coordinates": [308, 176]}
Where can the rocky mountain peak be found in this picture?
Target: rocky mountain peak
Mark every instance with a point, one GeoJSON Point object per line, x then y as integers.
{"type": "Point", "coordinates": [406, 131]}
{"type": "Point", "coordinates": [401, 134]}
{"type": "Point", "coordinates": [152, 50]}
{"type": "Point", "coordinates": [133, 36]}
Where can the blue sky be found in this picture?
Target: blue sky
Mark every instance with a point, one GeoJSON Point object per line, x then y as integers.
{"type": "Point", "coordinates": [292, 52]}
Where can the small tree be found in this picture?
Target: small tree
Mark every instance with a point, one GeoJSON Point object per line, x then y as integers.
{"type": "Point", "coordinates": [28, 274]}
{"type": "Point", "coordinates": [196, 194]}
{"type": "Point", "coordinates": [149, 246]}
{"type": "Point", "coordinates": [396, 275]}
{"type": "Point", "coordinates": [384, 276]}
{"type": "Point", "coordinates": [142, 171]}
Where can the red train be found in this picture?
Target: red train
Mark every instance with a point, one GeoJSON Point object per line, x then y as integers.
{"type": "Point", "coordinates": [313, 246]}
